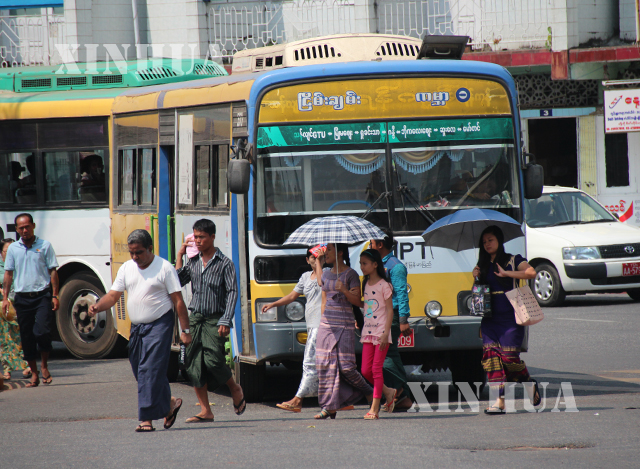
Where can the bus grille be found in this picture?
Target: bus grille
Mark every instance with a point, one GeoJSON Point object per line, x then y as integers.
{"type": "Point", "coordinates": [71, 81]}
{"type": "Point", "coordinates": [106, 79]}
{"type": "Point", "coordinates": [120, 309]}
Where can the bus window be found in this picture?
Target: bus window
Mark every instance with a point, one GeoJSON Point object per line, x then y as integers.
{"type": "Point", "coordinates": [209, 178]}
{"type": "Point", "coordinates": [127, 180]}
{"type": "Point", "coordinates": [62, 174]}
{"type": "Point", "coordinates": [203, 181]}
{"type": "Point", "coordinates": [92, 177]}
{"type": "Point", "coordinates": [147, 175]}
{"type": "Point", "coordinates": [18, 169]}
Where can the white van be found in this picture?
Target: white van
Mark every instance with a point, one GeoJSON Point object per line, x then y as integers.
{"type": "Point", "coordinates": [577, 246]}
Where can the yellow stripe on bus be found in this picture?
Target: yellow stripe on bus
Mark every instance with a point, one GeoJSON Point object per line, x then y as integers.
{"type": "Point", "coordinates": [436, 286]}
{"type": "Point", "coordinates": [56, 109]}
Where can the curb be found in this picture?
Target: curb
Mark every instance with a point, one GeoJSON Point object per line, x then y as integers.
{"type": "Point", "coordinates": [10, 385]}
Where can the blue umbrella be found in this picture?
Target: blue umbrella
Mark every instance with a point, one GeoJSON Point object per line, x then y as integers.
{"type": "Point", "coordinates": [461, 230]}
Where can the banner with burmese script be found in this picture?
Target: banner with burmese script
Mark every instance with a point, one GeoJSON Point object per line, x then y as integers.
{"type": "Point", "coordinates": [384, 98]}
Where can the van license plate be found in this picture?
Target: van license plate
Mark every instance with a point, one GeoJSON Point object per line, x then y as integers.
{"type": "Point", "coordinates": [405, 341]}
{"type": "Point", "coordinates": [633, 268]}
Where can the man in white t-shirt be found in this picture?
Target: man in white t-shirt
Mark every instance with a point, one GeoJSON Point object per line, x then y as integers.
{"type": "Point", "coordinates": [153, 291]}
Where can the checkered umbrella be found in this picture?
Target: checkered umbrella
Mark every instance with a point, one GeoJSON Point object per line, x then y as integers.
{"type": "Point", "coordinates": [335, 230]}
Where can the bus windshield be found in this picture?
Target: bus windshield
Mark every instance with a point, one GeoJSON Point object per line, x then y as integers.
{"type": "Point", "coordinates": [393, 185]}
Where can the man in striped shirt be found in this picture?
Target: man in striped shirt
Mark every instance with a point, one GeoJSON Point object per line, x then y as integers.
{"type": "Point", "coordinates": [214, 295]}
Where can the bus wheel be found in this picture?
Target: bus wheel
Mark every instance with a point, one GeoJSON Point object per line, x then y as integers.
{"type": "Point", "coordinates": [466, 367]}
{"type": "Point", "coordinates": [251, 378]}
{"type": "Point", "coordinates": [85, 336]}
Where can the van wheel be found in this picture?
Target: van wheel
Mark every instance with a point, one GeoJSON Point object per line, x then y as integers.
{"type": "Point", "coordinates": [547, 286]}
{"type": "Point", "coordinates": [85, 336]}
{"type": "Point", "coordinates": [634, 294]}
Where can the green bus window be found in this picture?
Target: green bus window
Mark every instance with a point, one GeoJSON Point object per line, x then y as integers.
{"type": "Point", "coordinates": [147, 175]}
{"type": "Point", "coordinates": [19, 171]}
{"type": "Point", "coordinates": [62, 170]}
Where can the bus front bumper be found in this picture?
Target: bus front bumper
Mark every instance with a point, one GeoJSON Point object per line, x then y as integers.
{"type": "Point", "coordinates": [275, 342]}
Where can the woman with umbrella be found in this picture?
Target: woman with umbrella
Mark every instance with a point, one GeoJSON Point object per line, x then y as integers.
{"type": "Point", "coordinates": [501, 336]}
{"type": "Point", "coordinates": [340, 383]}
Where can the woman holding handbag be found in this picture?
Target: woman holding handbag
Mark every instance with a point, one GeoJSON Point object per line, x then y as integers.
{"type": "Point", "coordinates": [501, 335]}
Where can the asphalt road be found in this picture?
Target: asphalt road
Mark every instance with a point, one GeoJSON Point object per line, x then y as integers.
{"type": "Point", "coordinates": [87, 416]}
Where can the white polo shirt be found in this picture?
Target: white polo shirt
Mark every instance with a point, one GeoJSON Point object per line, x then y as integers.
{"type": "Point", "coordinates": [147, 289]}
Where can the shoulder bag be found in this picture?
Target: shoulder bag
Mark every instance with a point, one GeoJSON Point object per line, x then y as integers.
{"type": "Point", "coordinates": [526, 307]}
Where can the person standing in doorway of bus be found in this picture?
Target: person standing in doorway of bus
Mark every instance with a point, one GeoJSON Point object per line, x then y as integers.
{"type": "Point", "coordinates": [393, 370]}
{"type": "Point", "coordinates": [31, 267]}
{"type": "Point", "coordinates": [153, 292]}
{"type": "Point", "coordinates": [213, 302]}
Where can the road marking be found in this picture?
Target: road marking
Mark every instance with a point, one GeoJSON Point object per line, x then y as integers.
{"type": "Point", "coordinates": [621, 371]}
{"type": "Point", "coordinates": [626, 380]}
{"type": "Point", "coordinates": [580, 319]}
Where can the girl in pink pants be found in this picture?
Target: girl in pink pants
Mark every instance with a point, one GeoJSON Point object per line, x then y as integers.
{"type": "Point", "coordinates": [376, 332]}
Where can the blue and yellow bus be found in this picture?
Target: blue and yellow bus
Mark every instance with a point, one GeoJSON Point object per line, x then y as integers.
{"type": "Point", "coordinates": [400, 141]}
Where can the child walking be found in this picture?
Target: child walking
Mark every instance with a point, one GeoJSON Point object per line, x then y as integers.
{"type": "Point", "coordinates": [376, 332]}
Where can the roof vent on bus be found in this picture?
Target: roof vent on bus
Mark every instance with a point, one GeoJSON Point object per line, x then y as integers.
{"type": "Point", "coordinates": [36, 83]}
{"type": "Point", "coordinates": [259, 62]}
{"type": "Point", "coordinates": [106, 79]}
{"type": "Point", "coordinates": [397, 49]}
{"type": "Point", "coordinates": [321, 51]}
{"type": "Point", "coordinates": [156, 73]}
{"type": "Point", "coordinates": [211, 70]}
{"type": "Point", "coordinates": [71, 81]}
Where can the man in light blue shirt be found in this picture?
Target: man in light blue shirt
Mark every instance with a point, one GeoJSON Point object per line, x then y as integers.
{"type": "Point", "coordinates": [393, 369]}
{"type": "Point", "coordinates": [30, 265]}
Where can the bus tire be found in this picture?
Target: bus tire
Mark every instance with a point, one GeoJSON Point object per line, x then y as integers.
{"type": "Point", "coordinates": [251, 379]}
{"type": "Point", "coordinates": [466, 367]}
{"type": "Point", "coordinates": [85, 337]}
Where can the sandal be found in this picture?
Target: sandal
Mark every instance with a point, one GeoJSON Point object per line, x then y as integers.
{"type": "Point", "coordinates": [325, 414]}
{"type": "Point", "coordinates": [26, 373]}
{"type": "Point", "coordinates": [536, 392]}
{"type": "Point", "coordinates": [34, 383]}
{"type": "Point", "coordinates": [389, 406]}
{"type": "Point", "coordinates": [171, 419]}
{"type": "Point", "coordinates": [242, 404]}
{"type": "Point", "coordinates": [47, 379]}
{"type": "Point", "coordinates": [494, 410]}
{"type": "Point", "coordinates": [289, 407]}
{"type": "Point", "coordinates": [371, 416]}
{"type": "Point", "coordinates": [198, 419]}
{"type": "Point", "coordinates": [145, 428]}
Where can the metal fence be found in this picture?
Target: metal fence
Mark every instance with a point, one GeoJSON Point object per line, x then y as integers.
{"type": "Point", "coordinates": [31, 40]}
{"type": "Point", "coordinates": [491, 24]}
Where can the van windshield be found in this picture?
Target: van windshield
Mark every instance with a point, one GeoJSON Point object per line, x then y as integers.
{"type": "Point", "coordinates": [565, 208]}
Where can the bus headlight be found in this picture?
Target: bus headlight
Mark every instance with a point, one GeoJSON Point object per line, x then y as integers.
{"type": "Point", "coordinates": [433, 309]}
{"type": "Point", "coordinates": [294, 311]}
{"type": "Point", "coordinates": [269, 315]}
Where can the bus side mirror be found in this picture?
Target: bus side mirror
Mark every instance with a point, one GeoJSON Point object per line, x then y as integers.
{"type": "Point", "coordinates": [238, 172]}
{"type": "Point", "coordinates": [239, 167]}
{"type": "Point", "coordinates": [533, 178]}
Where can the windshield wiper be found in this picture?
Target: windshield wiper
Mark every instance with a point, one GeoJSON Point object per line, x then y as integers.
{"type": "Point", "coordinates": [421, 209]}
{"type": "Point", "coordinates": [601, 220]}
{"type": "Point", "coordinates": [568, 222]}
{"type": "Point", "coordinates": [384, 195]}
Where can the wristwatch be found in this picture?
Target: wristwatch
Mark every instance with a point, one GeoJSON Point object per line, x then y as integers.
{"type": "Point", "coordinates": [54, 297]}
{"type": "Point", "coordinates": [186, 331]}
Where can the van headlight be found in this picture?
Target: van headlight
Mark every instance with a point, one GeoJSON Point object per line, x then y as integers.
{"type": "Point", "coordinates": [269, 315]}
{"type": "Point", "coordinates": [581, 253]}
{"type": "Point", "coordinates": [294, 311]}
{"type": "Point", "coordinates": [433, 309]}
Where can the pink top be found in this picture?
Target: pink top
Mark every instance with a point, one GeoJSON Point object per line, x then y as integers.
{"type": "Point", "coordinates": [375, 311]}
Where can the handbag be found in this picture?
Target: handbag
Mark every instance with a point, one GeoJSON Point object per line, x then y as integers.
{"type": "Point", "coordinates": [480, 300]}
{"type": "Point", "coordinates": [526, 307]}
{"type": "Point", "coordinates": [10, 314]}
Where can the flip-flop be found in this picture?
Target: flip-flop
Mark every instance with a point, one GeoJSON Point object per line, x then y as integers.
{"type": "Point", "coordinates": [240, 404]}
{"type": "Point", "coordinates": [289, 407]}
{"type": "Point", "coordinates": [169, 421]}
{"type": "Point", "coordinates": [47, 380]}
{"type": "Point", "coordinates": [33, 384]}
{"type": "Point", "coordinates": [198, 419]}
{"type": "Point", "coordinates": [493, 410]}
{"type": "Point", "coordinates": [145, 428]}
{"type": "Point", "coordinates": [370, 416]}
{"type": "Point", "coordinates": [536, 391]}
{"type": "Point", "coordinates": [391, 405]}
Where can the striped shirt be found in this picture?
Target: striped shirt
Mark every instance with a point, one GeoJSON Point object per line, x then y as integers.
{"type": "Point", "coordinates": [214, 288]}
